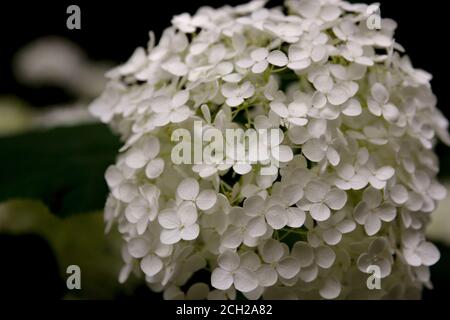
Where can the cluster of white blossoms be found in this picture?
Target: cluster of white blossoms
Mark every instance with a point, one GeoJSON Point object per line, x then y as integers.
{"type": "Point", "coordinates": [356, 182]}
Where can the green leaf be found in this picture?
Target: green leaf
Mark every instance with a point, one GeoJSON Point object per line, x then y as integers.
{"type": "Point", "coordinates": [63, 167]}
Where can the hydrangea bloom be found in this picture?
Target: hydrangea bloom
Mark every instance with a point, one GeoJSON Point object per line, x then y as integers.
{"type": "Point", "coordinates": [356, 178]}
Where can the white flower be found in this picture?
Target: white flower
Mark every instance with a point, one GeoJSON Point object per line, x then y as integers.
{"type": "Point", "coordinates": [288, 31]}
{"type": "Point", "coordinates": [336, 94]}
{"type": "Point", "coordinates": [188, 24]}
{"type": "Point", "coordinates": [331, 230]}
{"type": "Point", "coordinates": [378, 177]}
{"type": "Point", "coordinates": [277, 263]}
{"type": "Point", "coordinates": [264, 214]}
{"type": "Point", "coordinates": [144, 208]}
{"type": "Point", "coordinates": [311, 259]}
{"type": "Point", "coordinates": [299, 58]}
{"type": "Point", "coordinates": [330, 288]}
{"type": "Point", "coordinates": [175, 66]}
{"type": "Point", "coordinates": [317, 149]}
{"type": "Point", "coordinates": [121, 188]}
{"type": "Point", "coordinates": [379, 254]}
{"type": "Point", "coordinates": [348, 178]}
{"type": "Point", "coordinates": [144, 154]}
{"type": "Point", "coordinates": [238, 230]}
{"type": "Point", "coordinates": [230, 272]}
{"type": "Point", "coordinates": [260, 58]}
{"type": "Point", "coordinates": [352, 51]}
{"type": "Point", "coordinates": [310, 9]}
{"type": "Point", "coordinates": [352, 128]}
{"type": "Point", "coordinates": [417, 251]}
{"type": "Point", "coordinates": [189, 190]}
{"type": "Point", "coordinates": [179, 223]}
{"type": "Point", "coordinates": [425, 193]}
{"type": "Point", "coordinates": [168, 109]}
{"type": "Point", "coordinates": [295, 113]}
{"type": "Point", "coordinates": [371, 211]}
{"type": "Point", "coordinates": [320, 199]}
{"type": "Point", "coordinates": [379, 103]}
{"type": "Point", "coordinates": [236, 94]}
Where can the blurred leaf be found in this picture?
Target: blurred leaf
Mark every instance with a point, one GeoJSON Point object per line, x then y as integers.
{"type": "Point", "coordinates": [15, 116]}
{"type": "Point", "coordinates": [63, 167]}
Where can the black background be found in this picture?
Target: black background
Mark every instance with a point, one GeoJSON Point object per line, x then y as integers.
{"type": "Point", "coordinates": [111, 30]}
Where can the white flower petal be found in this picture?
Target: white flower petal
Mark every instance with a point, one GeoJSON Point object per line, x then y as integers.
{"type": "Point", "coordinates": [385, 173]}
{"type": "Point", "coordinates": [352, 108]}
{"type": "Point", "coordinates": [304, 253]}
{"type": "Point", "coordinates": [309, 273]}
{"type": "Point", "coordinates": [317, 127]}
{"type": "Point", "coordinates": [206, 199]}
{"type": "Point", "coordinates": [229, 260]}
{"type": "Point", "coordinates": [188, 189]}
{"type": "Point", "coordinates": [151, 265]}
{"type": "Point", "coordinates": [330, 289]}
{"type": "Point", "coordinates": [279, 108]}
{"type": "Point", "coordinates": [399, 194]}
{"type": "Point", "coordinates": [113, 176]}
{"type": "Point", "coordinates": [292, 193]}
{"type": "Point", "coordinates": [136, 158]}
{"type": "Point", "coordinates": [245, 280]}
{"type": "Point", "coordinates": [138, 247]}
{"type": "Point", "coordinates": [271, 251]}
{"type": "Point", "coordinates": [277, 58]}
{"type": "Point", "coordinates": [379, 93]}
{"type": "Point", "coordinates": [168, 219]}
{"type": "Point", "coordinates": [179, 115]}
{"type": "Point", "coordinates": [288, 267]}
{"type": "Point", "coordinates": [333, 156]}
{"type": "Point", "coordinates": [296, 217]}
{"type": "Point", "coordinates": [372, 224]}
{"type": "Point", "coordinates": [325, 256]}
{"type": "Point", "coordinates": [386, 212]}
{"type": "Point", "coordinates": [319, 212]}
{"type": "Point", "coordinates": [154, 168]}
{"type": "Point", "coordinates": [260, 67]}
{"type": "Point", "coordinates": [267, 276]}
{"type": "Point", "coordinates": [180, 98]}
{"type": "Point", "coordinates": [313, 150]}
{"type": "Point", "coordinates": [170, 236]}
{"type": "Point", "coordinates": [428, 253]}
{"type": "Point", "coordinates": [336, 199]}
{"type": "Point", "coordinates": [277, 217]}
{"type": "Point", "coordinates": [175, 67]}
{"type": "Point", "coordinates": [338, 95]}
{"type": "Point", "coordinates": [282, 153]}
{"type": "Point", "coordinates": [259, 54]}
{"type": "Point", "coordinates": [187, 213]}
{"type": "Point", "coordinates": [257, 227]}
{"type": "Point", "coordinates": [316, 191]}
{"type": "Point", "coordinates": [332, 236]}
{"type": "Point", "coordinates": [221, 279]}
{"type": "Point", "coordinates": [190, 232]}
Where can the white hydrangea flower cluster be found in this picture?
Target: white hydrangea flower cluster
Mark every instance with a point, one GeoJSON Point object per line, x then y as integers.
{"type": "Point", "coordinates": [357, 178]}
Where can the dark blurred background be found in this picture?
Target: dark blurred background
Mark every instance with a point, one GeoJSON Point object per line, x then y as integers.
{"type": "Point", "coordinates": [111, 30]}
